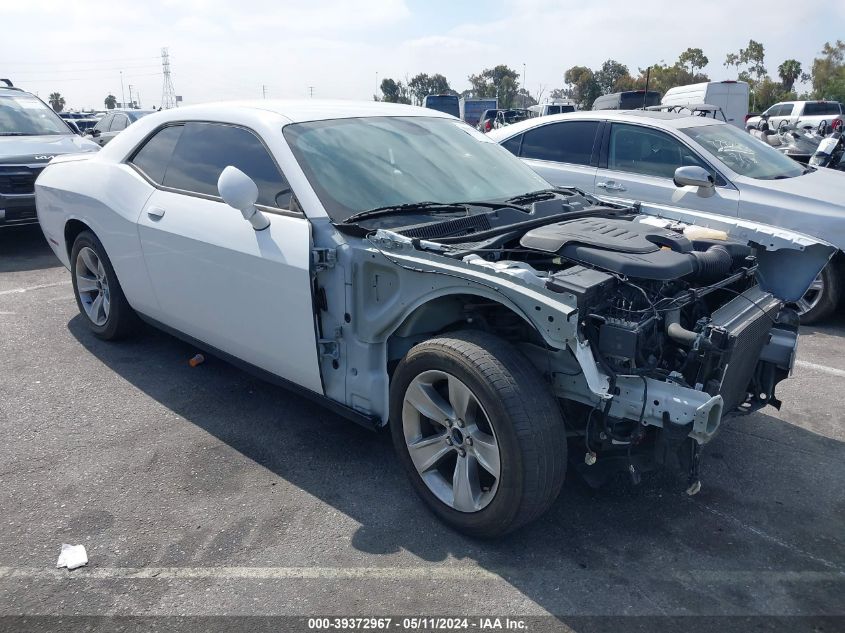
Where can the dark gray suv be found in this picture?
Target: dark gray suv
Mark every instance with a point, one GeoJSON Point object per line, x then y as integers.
{"type": "Point", "coordinates": [30, 135]}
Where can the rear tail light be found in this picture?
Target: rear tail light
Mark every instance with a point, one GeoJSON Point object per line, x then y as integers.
{"type": "Point", "coordinates": [837, 123]}
{"type": "Point", "coordinates": [487, 125]}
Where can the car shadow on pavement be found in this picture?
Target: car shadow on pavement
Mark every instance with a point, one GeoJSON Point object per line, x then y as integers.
{"type": "Point", "coordinates": [764, 536]}
{"type": "Point", "coordinates": [24, 248]}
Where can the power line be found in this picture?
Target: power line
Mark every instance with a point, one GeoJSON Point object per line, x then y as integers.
{"type": "Point", "coordinates": [85, 61]}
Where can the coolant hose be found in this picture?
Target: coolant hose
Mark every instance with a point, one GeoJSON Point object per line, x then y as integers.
{"type": "Point", "coordinates": [713, 263]}
{"type": "Point", "coordinates": [679, 334]}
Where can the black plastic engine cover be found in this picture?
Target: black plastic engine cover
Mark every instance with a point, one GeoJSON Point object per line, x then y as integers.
{"type": "Point", "coordinates": [627, 248]}
{"type": "Point", "coordinates": [611, 234]}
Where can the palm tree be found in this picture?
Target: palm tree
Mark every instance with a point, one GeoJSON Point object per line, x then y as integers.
{"type": "Point", "coordinates": [110, 102]}
{"type": "Point", "coordinates": [789, 72]}
{"type": "Point", "coordinates": [57, 101]}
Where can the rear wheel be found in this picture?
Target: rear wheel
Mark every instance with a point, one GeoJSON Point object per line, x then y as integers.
{"type": "Point", "coordinates": [98, 293]}
{"type": "Point", "coordinates": [822, 297]}
{"type": "Point", "coordinates": [478, 431]}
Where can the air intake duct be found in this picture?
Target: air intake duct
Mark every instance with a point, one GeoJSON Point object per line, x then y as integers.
{"type": "Point", "coordinates": [712, 264]}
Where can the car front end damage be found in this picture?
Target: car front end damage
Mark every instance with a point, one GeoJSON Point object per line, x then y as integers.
{"type": "Point", "coordinates": [649, 331]}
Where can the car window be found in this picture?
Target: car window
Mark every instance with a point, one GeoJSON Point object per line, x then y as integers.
{"type": "Point", "coordinates": [27, 115]}
{"type": "Point", "coordinates": [642, 150]}
{"type": "Point", "coordinates": [567, 142]}
{"type": "Point", "coordinates": [103, 124]}
{"type": "Point", "coordinates": [820, 109]}
{"type": "Point", "coordinates": [513, 144]}
{"type": "Point", "coordinates": [786, 109]}
{"type": "Point", "coordinates": [204, 150]}
{"type": "Point", "coordinates": [119, 122]}
{"type": "Point", "coordinates": [153, 157]}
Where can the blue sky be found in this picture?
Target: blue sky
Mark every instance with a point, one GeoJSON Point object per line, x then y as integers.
{"type": "Point", "coordinates": [226, 49]}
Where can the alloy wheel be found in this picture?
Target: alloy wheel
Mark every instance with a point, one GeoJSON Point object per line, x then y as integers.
{"type": "Point", "coordinates": [812, 297]}
{"type": "Point", "coordinates": [450, 441]}
{"type": "Point", "coordinates": [92, 286]}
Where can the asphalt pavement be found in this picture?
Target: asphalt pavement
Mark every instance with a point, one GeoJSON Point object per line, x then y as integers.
{"type": "Point", "coordinates": [206, 492]}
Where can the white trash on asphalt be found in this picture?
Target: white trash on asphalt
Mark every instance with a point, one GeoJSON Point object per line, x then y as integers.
{"type": "Point", "coordinates": [72, 556]}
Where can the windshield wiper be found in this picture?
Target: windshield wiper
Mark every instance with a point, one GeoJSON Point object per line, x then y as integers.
{"type": "Point", "coordinates": [399, 208]}
{"type": "Point", "coordinates": [532, 196]}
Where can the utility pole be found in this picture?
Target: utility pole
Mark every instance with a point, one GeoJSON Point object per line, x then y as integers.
{"type": "Point", "coordinates": [263, 91]}
{"type": "Point", "coordinates": [311, 91]}
{"type": "Point", "coordinates": [524, 86]}
{"type": "Point", "coordinates": [378, 87]}
{"type": "Point", "coordinates": [122, 94]}
{"type": "Point", "coordinates": [131, 103]}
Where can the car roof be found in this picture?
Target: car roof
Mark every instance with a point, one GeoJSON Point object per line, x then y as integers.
{"type": "Point", "coordinates": [297, 111]}
{"type": "Point", "coordinates": [660, 119]}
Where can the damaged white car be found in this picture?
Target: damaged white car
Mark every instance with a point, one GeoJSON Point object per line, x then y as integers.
{"type": "Point", "coordinates": [393, 263]}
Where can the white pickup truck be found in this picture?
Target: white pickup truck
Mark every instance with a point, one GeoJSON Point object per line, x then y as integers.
{"type": "Point", "coordinates": [799, 114]}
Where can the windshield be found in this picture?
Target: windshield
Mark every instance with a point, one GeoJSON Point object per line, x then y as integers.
{"type": "Point", "coordinates": [24, 115]}
{"type": "Point", "coordinates": [743, 153]}
{"type": "Point", "coordinates": [360, 164]}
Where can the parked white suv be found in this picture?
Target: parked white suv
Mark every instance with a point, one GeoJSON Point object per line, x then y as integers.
{"type": "Point", "coordinates": [799, 114]}
{"type": "Point", "coordinates": [635, 155]}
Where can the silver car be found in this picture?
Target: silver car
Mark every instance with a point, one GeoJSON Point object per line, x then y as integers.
{"type": "Point", "coordinates": [690, 162]}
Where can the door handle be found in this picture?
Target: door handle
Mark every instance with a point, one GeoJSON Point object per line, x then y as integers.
{"type": "Point", "coordinates": [155, 213]}
{"type": "Point", "coordinates": [610, 186]}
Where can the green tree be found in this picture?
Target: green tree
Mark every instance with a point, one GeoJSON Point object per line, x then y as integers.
{"type": "Point", "coordinates": [110, 102]}
{"type": "Point", "coordinates": [789, 71]}
{"type": "Point", "coordinates": [394, 91]}
{"type": "Point", "coordinates": [57, 101]}
{"type": "Point", "coordinates": [423, 85]}
{"type": "Point", "coordinates": [752, 58]}
{"type": "Point", "coordinates": [663, 77]}
{"type": "Point", "coordinates": [694, 58]}
{"type": "Point", "coordinates": [829, 72]}
{"type": "Point", "coordinates": [611, 75]}
{"type": "Point", "coordinates": [582, 86]}
{"type": "Point", "coordinates": [500, 82]}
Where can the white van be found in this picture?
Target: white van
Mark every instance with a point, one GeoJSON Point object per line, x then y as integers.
{"type": "Point", "coordinates": [554, 107]}
{"type": "Point", "coordinates": [730, 96]}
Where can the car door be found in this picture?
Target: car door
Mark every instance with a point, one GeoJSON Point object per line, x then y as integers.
{"type": "Point", "coordinates": [561, 152]}
{"type": "Point", "coordinates": [216, 279]}
{"type": "Point", "coordinates": [638, 163]}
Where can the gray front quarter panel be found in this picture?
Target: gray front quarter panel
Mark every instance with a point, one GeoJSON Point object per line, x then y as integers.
{"type": "Point", "coordinates": [375, 292]}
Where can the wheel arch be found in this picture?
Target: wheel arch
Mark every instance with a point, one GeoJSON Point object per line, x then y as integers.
{"type": "Point", "coordinates": [73, 227]}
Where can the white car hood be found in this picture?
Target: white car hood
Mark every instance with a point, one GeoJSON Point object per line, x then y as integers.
{"type": "Point", "coordinates": [813, 204]}
{"type": "Point", "coordinates": [17, 150]}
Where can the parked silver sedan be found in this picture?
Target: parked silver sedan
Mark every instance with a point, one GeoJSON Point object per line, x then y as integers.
{"type": "Point", "coordinates": [690, 162]}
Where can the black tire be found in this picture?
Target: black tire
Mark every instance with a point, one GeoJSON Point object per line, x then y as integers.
{"type": "Point", "coordinates": [526, 420]}
{"type": "Point", "coordinates": [121, 319]}
{"type": "Point", "coordinates": [831, 295]}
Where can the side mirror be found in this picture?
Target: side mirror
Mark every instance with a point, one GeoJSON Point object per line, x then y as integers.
{"type": "Point", "coordinates": [240, 192]}
{"type": "Point", "coordinates": [93, 132]}
{"type": "Point", "coordinates": [695, 176]}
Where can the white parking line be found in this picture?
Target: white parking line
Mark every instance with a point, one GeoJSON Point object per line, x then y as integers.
{"type": "Point", "coordinates": [268, 573]}
{"type": "Point", "coordinates": [14, 291]}
{"type": "Point", "coordinates": [822, 368]}
{"type": "Point", "coordinates": [377, 573]}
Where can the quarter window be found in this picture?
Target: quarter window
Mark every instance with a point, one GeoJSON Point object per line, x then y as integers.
{"type": "Point", "coordinates": [153, 157]}
{"type": "Point", "coordinates": [203, 150]}
{"type": "Point", "coordinates": [512, 144]}
{"type": "Point", "coordinates": [641, 150]}
{"type": "Point", "coordinates": [567, 142]}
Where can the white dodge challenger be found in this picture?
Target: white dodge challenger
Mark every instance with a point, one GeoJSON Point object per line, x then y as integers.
{"type": "Point", "coordinates": [395, 264]}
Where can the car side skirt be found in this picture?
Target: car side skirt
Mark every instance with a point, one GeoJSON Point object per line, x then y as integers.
{"type": "Point", "coordinates": [367, 421]}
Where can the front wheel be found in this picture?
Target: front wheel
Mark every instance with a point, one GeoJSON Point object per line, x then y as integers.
{"type": "Point", "coordinates": [98, 293]}
{"type": "Point", "coordinates": [822, 297]}
{"type": "Point", "coordinates": [478, 431]}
